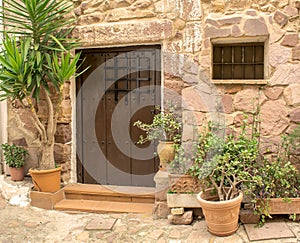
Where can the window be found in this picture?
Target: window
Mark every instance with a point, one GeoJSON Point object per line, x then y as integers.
{"type": "Point", "coordinates": [238, 61]}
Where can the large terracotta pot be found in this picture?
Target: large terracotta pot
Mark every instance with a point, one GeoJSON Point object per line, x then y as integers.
{"type": "Point", "coordinates": [166, 153]}
{"type": "Point", "coordinates": [221, 216]}
{"type": "Point", "coordinates": [46, 180]}
{"type": "Point", "coordinates": [17, 174]}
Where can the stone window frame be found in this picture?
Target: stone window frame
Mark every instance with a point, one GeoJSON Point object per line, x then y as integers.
{"type": "Point", "coordinates": [242, 40]}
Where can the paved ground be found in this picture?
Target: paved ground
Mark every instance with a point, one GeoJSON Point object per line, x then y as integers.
{"type": "Point", "coordinates": [29, 224]}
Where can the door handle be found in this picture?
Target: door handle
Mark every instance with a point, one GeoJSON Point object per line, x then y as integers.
{"type": "Point", "coordinates": [154, 111]}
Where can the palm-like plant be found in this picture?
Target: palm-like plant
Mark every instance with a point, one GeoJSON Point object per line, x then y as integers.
{"type": "Point", "coordinates": [36, 58]}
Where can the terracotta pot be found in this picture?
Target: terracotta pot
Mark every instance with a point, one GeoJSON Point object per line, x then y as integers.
{"type": "Point", "coordinates": [283, 205]}
{"type": "Point", "coordinates": [221, 216]}
{"type": "Point", "coordinates": [17, 174]}
{"type": "Point", "coordinates": [166, 153]}
{"type": "Point", "coordinates": [46, 180]}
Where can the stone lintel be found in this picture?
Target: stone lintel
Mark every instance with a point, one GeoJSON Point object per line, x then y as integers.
{"type": "Point", "coordinates": [124, 32]}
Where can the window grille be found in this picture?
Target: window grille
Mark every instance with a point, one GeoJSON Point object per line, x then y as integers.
{"type": "Point", "coordinates": [238, 61]}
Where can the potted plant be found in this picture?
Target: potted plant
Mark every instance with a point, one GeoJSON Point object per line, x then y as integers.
{"type": "Point", "coordinates": [36, 59]}
{"type": "Point", "coordinates": [229, 165]}
{"type": "Point", "coordinates": [165, 127]}
{"type": "Point", "coordinates": [279, 192]}
{"type": "Point", "coordinates": [15, 158]}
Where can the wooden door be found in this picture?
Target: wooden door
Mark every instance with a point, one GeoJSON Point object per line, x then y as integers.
{"type": "Point", "coordinates": [121, 86]}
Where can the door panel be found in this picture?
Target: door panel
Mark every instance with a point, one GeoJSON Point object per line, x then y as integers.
{"type": "Point", "coordinates": [119, 168]}
{"type": "Point", "coordinates": [121, 86]}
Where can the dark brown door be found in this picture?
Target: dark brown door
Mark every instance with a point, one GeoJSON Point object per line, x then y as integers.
{"type": "Point", "coordinates": [121, 86]}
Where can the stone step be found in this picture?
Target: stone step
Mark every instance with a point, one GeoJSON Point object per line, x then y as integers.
{"type": "Point", "coordinates": [103, 206]}
{"type": "Point", "coordinates": [110, 193]}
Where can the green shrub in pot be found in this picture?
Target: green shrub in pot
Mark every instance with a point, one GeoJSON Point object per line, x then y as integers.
{"type": "Point", "coordinates": [14, 155]}
{"type": "Point", "coordinates": [166, 125]}
{"type": "Point", "coordinates": [15, 158]}
{"type": "Point", "coordinates": [164, 128]}
{"type": "Point", "coordinates": [229, 165]}
{"type": "Point", "coordinates": [280, 181]}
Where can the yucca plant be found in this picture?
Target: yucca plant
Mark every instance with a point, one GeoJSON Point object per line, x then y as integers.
{"type": "Point", "coordinates": [35, 60]}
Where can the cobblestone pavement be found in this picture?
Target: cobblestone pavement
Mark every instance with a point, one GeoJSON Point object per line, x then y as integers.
{"type": "Point", "coordinates": [29, 224]}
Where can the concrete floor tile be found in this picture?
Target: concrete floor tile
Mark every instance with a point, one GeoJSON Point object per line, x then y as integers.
{"type": "Point", "coordinates": [271, 230]}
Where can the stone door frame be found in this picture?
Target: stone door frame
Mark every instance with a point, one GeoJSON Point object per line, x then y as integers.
{"type": "Point", "coordinates": [73, 172]}
{"type": "Point", "coordinates": [115, 166]}
{"type": "Point", "coordinates": [154, 32]}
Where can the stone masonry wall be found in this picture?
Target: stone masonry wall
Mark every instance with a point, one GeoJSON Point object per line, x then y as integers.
{"type": "Point", "coordinates": [185, 29]}
{"type": "Point", "coordinates": [278, 100]}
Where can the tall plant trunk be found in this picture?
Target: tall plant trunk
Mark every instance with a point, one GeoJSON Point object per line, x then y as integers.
{"type": "Point", "coordinates": [47, 161]}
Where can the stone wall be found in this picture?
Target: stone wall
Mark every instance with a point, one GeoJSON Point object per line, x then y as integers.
{"type": "Point", "coordinates": [185, 30]}
{"type": "Point", "coordinates": [278, 100]}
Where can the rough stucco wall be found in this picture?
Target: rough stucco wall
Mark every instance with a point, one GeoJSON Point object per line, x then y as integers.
{"type": "Point", "coordinates": [185, 29]}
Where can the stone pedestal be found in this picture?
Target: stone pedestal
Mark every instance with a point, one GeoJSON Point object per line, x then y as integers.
{"type": "Point", "coordinates": [161, 209]}
{"type": "Point", "coordinates": [162, 185]}
{"type": "Point", "coordinates": [182, 200]}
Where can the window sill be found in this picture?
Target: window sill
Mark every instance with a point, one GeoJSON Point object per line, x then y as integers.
{"type": "Point", "coordinates": [241, 81]}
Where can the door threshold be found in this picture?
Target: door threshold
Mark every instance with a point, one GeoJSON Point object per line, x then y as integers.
{"type": "Point", "coordinates": [132, 190]}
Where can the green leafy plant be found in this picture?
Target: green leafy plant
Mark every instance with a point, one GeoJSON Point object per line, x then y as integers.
{"type": "Point", "coordinates": [181, 161]}
{"type": "Point", "coordinates": [165, 126]}
{"type": "Point", "coordinates": [228, 164]}
{"type": "Point", "coordinates": [294, 138]}
{"type": "Point", "coordinates": [280, 179]}
{"type": "Point", "coordinates": [36, 60]}
{"type": "Point", "coordinates": [14, 155]}
{"type": "Point", "coordinates": [293, 217]}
